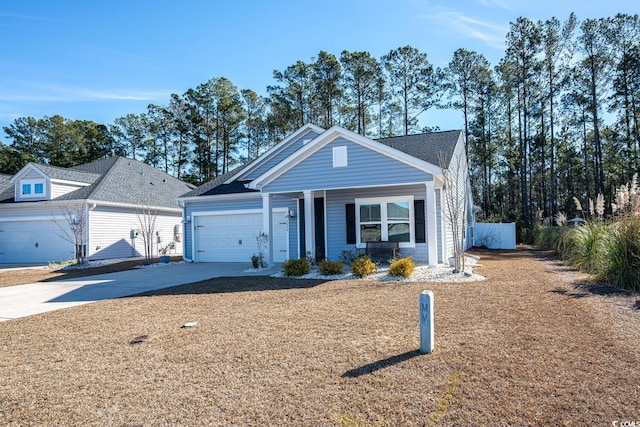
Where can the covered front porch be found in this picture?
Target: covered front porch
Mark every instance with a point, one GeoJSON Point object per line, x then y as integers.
{"type": "Point", "coordinates": [331, 221]}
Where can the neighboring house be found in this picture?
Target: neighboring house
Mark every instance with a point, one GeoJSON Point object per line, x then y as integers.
{"type": "Point", "coordinates": [320, 192]}
{"type": "Point", "coordinates": [109, 194]}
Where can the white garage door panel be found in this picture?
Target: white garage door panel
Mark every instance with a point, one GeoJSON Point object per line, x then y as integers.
{"type": "Point", "coordinates": [232, 237]}
{"type": "Point", "coordinates": [27, 242]}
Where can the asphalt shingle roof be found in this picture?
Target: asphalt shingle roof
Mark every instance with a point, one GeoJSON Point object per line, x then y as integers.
{"type": "Point", "coordinates": [66, 174]}
{"type": "Point", "coordinates": [117, 180]}
{"type": "Point", "coordinates": [435, 147]}
{"type": "Point", "coordinates": [207, 187]}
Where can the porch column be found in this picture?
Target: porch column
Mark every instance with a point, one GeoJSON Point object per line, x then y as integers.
{"type": "Point", "coordinates": [267, 227]}
{"type": "Point", "coordinates": [309, 225]}
{"type": "Point", "coordinates": [432, 233]}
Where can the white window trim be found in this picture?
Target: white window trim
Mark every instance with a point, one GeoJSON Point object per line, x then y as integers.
{"type": "Point", "coordinates": [32, 183]}
{"type": "Point", "coordinates": [383, 216]}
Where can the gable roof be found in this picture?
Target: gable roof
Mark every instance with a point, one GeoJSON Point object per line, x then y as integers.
{"type": "Point", "coordinates": [116, 180]}
{"type": "Point", "coordinates": [331, 135]}
{"type": "Point", "coordinates": [435, 147]}
{"type": "Point", "coordinates": [218, 186]}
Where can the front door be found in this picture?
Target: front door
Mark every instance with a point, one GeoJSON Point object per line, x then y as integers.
{"type": "Point", "coordinates": [318, 210]}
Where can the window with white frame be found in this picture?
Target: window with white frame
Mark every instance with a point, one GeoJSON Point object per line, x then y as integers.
{"type": "Point", "coordinates": [385, 219]}
{"type": "Point", "coordinates": [32, 188]}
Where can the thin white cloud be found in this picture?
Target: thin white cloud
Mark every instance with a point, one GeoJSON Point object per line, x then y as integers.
{"type": "Point", "coordinates": [455, 21]}
{"type": "Point", "coordinates": [502, 4]}
{"type": "Point", "coordinates": [29, 92]}
{"type": "Point", "coordinates": [23, 17]}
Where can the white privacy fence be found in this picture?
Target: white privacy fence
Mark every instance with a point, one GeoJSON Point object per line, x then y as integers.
{"type": "Point", "coordinates": [495, 235]}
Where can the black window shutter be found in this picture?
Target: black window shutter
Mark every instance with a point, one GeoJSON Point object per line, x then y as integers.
{"type": "Point", "coordinates": [418, 215]}
{"type": "Point", "coordinates": [351, 223]}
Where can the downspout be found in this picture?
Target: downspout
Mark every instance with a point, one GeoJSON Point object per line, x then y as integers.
{"type": "Point", "coordinates": [87, 236]}
{"type": "Point", "coordinates": [183, 222]}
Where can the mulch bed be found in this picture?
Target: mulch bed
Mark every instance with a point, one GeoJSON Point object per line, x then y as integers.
{"type": "Point", "coordinates": [525, 347]}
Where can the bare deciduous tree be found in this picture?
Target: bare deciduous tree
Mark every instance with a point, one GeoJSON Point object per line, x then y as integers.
{"type": "Point", "coordinates": [147, 216]}
{"type": "Point", "coordinates": [455, 198]}
{"type": "Point", "coordinates": [76, 217]}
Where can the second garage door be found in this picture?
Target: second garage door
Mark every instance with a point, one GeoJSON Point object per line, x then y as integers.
{"type": "Point", "coordinates": [33, 242]}
{"type": "Point", "coordinates": [232, 237]}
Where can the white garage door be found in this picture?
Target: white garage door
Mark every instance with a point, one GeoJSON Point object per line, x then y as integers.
{"type": "Point", "coordinates": [232, 237]}
{"type": "Point", "coordinates": [33, 242]}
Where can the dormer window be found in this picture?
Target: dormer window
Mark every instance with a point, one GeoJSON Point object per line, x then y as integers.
{"type": "Point", "coordinates": [32, 188]}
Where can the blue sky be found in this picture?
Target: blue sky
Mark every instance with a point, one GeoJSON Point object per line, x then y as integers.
{"type": "Point", "coordinates": [99, 60]}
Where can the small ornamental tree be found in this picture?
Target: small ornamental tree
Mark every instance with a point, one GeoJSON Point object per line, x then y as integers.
{"type": "Point", "coordinates": [455, 203]}
{"type": "Point", "coordinates": [147, 216]}
{"type": "Point", "coordinates": [76, 217]}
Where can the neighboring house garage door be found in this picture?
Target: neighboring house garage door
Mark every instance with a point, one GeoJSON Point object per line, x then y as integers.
{"type": "Point", "coordinates": [31, 242]}
{"type": "Point", "coordinates": [232, 237]}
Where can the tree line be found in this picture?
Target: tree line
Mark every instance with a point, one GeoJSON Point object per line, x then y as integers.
{"type": "Point", "coordinates": [557, 117]}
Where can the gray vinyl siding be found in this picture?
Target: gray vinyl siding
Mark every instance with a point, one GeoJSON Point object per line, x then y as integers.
{"type": "Point", "coordinates": [280, 155]}
{"type": "Point", "coordinates": [234, 205]}
{"type": "Point", "coordinates": [366, 167]}
{"type": "Point", "coordinates": [110, 228]}
{"type": "Point", "coordinates": [29, 210]}
{"type": "Point", "coordinates": [463, 189]}
{"type": "Point", "coordinates": [59, 189]}
{"type": "Point", "coordinates": [439, 224]}
{"type": "Point", "coordinates": [336, 219]}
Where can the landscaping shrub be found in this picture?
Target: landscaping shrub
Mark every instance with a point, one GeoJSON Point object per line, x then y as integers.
{"type": "Point", "coordinates": [402, 267]}
{"type": "Point", "coordinates": [295, 267]}
{"type": "Point", "coordinates": [622, 255]}
{"type": "Point", "coordinates": [548, 237]}
{"type": "Point", "coordinates": [363, 266]}
{"type": "Point", "coordinates": [329, 268]}
{"type": "Point", "coordinates": [584, 247]}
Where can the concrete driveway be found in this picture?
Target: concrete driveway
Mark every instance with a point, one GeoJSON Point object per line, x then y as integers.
{"type": "Point", "coordinates": [25, 300]}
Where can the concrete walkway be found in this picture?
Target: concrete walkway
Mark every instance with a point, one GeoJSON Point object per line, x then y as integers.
{"type": "Point", "coordinates": [25, 300]}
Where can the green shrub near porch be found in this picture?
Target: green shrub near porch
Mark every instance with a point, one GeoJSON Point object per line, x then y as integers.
{"type": "Point", "coordinates": [296, 267]}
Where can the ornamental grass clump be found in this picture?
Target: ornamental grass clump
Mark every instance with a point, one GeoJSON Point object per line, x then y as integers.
{"type": "Point", "coordinates": [622, 255]}
{"type": "Point", "coordinates": [584, 247]}
{"type": "Point", "coordinates": [296, 267]}
{"type": "Point", "coordinates": [548, 237]}
{"type": "Point", "coordinates": [363, 267]}
{"type": "Point", "coordinates": [330, 268]}
{"type": "Point", "coordinates": [402, 267]}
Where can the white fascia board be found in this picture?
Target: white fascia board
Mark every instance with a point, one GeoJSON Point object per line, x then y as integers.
{"type": "Point", "coordinates": [25, 168]}
{"type": "Point", "coordinates": [53, 203]}
{"type": "Point", "coordinates": [220, 197]}
{"type": "Point", "coordinates": [327, 137]}
{"type": "Point", "coordinates": [264, 157]}
{"type": "Point", "coordinates": [130, 206]}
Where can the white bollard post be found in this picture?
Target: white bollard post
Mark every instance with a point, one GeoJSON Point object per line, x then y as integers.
{"type": "Point", "coordinates": [426, 322]}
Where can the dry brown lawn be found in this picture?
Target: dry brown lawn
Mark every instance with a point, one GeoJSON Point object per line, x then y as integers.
{"type": "Point", "coordinates": [525, 347]}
